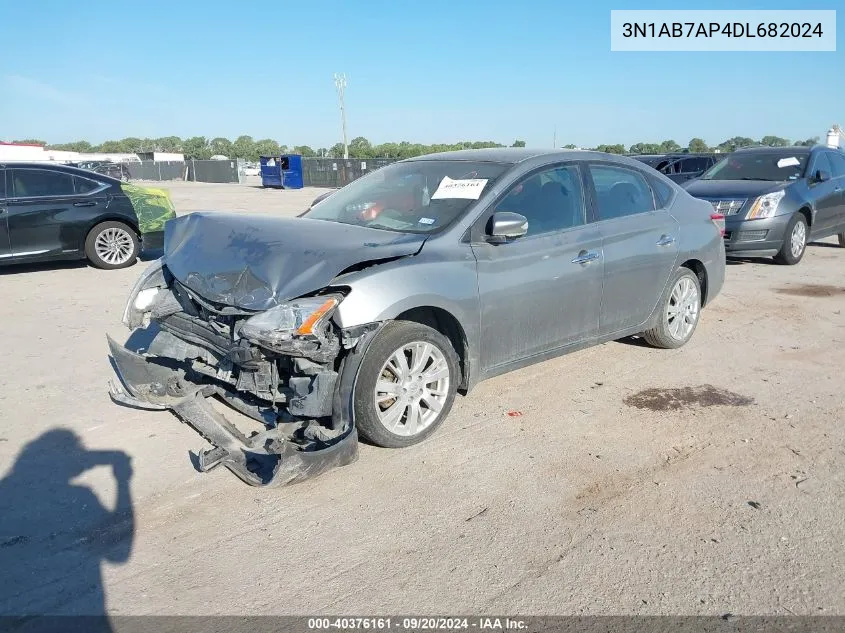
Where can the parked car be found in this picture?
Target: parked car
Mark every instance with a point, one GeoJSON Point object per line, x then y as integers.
{"type": "Point", "coordinates": [56, 212]}
{"type": "Point", "coordinates": [776, 200]}
{"type": "Point", "coordinates": [679, 167]}
{"type": "Point", "coordinates": [420, 279]}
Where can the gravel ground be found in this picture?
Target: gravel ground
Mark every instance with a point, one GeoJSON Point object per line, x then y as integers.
{"type": "Point", "coordinates": [703, 480]}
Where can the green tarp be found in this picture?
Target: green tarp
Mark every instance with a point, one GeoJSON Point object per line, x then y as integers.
{"type": "Point", "coordinates": [152, 206]}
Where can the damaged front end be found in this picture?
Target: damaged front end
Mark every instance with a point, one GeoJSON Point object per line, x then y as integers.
{"type": "Point", "coordinates": [290, 367]}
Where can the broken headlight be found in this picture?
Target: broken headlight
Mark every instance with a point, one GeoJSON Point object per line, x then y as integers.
{"type": "Point", "coordinates": [298, 318]}
{"type": "Point", "coordinates": [144, 294]}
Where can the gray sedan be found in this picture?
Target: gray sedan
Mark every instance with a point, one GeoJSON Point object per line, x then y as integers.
{"type": "Point", "coordinates": [372, 310]}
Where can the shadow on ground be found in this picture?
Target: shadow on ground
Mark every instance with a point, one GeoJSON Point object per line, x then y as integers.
{"type": "Point", "coordinates": [55, 533]}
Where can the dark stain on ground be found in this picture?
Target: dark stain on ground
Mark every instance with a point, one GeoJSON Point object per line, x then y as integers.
{"type": "Point", "coordinates": [812, 290]}
{"type": "Point", "coordinates": [685, 397]}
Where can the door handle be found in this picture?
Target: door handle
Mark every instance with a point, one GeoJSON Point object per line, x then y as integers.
{"type": "Point", "coordinates": [85, 204]}
{"type": "Point", "coordinates": [585, 257]}
{"type": "Point", "coordinates": [666, 240]}
{"type": "Point", "coordinates": [2, 211]}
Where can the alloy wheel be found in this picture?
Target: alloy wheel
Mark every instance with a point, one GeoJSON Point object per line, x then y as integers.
{"type": "Point", "coordinates": [682, 311]}
{"type": "Point", "coordinates": [412, 388]}
{"type": "Point", "coordinates": [114, 246]}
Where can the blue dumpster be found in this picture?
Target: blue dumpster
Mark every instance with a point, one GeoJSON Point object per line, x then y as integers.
{"type": "Point", "coordinates": [283, 171]}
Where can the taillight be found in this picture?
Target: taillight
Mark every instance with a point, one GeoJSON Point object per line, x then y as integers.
{"type": "Point", "coordinates": [719, 221]}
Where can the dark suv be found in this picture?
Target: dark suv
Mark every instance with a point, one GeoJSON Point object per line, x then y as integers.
{"type": "Point", "coordinates": [50, 211]}
{"type": "Point", "coordinates": [679, 167]}
{"type": "Point", "coordinates": [776, 199]}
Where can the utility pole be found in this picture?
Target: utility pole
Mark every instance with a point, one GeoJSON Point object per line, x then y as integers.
{"type": "Point", "coordinates": [340, 84]}
{"type": "Point", "coordinates": [554, 139]}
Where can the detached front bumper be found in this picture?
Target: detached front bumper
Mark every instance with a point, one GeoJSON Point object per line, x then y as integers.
{"type": "Point", "coordinates": [267, 458]}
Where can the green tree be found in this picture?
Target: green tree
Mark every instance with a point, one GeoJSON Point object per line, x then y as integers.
{"type": "Point", "coordinates": [611, 149]}
{"type": "Point", "coordinates": [359, 147]}
{"type": "Point", "coordinates": [30, 141]}
{"type": "Point", "coordinates": [305, 151]}
{"type": "Point", "coordinates": [570, 146]}
{"type": "Point", "coordinates": [668, 147]}
{"type": "Point", "coordinates": [131, 144]}
{"type": "Point", "coordinates": [697, 145]}
{"type": "Point", "coordinates": [243, 147]}
{"type": "Point", "coordinates": [644, 148]}
{"type": "Point", "coordinates": [736, 142]}
{"type": "Point", "coordinates": [196, 147]}
{"type": "Point", "coordinates": [518, 144]}
{"type": "Point", "coordinates": [336, 151]}
{"type": "Point", "coordinates": [76, 146]}
{"type": "Point", "coordinates": [775, 141]}
{"type": "Point", "coordinates": [265, 147]}
{"type": "Point", "coordinates": [808, 142]}
{"type": "Point", "coordinates": [168, 144]}
{"type": "Point", "coordinates": [111, 147]}
{"type": "Point", "coordinates": [220, 146]}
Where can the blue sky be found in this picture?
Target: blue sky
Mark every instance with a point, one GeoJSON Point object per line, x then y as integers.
{"type": "Point", "coordinates": [431, 71]}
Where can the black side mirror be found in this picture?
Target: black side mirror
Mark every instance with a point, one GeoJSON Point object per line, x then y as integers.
{"type": "Point", "coordinates": [505, 226]}
{"type": "Point", "coordinates": [821, 175]}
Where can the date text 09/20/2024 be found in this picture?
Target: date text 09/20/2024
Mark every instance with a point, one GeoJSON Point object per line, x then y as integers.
{"type": "Point", "coordinates": [727, 29]}
{"type": "Point", "coordinates": [416, 624]}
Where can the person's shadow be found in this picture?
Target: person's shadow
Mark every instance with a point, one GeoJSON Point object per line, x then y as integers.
{"type": "Point", "coordinates": [55, 534]}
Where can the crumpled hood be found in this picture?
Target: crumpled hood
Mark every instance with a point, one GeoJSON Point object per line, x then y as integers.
{"type": "Point", "coordinates": [256, 262]}
{"type": "Point", "coordinates": [731, 188]}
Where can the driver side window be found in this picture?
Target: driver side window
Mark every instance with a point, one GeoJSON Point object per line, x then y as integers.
{"type": "Point", "coordinates": [551, 200]}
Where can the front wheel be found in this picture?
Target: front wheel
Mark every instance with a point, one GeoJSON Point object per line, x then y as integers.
{"type": "Point", "coordinates": [406, 385]}
{"type": "Point", "coordinates": [680, 310]}
{"type": "Point", "coordinates": [794, 241]}
{"type": "Point", "coordinates": [841, 237]}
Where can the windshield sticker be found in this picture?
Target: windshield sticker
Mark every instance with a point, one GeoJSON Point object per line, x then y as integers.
{"type": "Point", "coordinates": [788, 162]}
{"type": "Point", "coordinates": [426, 220]}
{"type": "Point", "coordinates": [465, 189]}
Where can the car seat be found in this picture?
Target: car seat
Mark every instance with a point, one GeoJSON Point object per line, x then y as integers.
{"type": "Point", "coordinates": [623, 199]}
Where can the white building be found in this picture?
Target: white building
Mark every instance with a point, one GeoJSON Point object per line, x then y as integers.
{"type": "Point", "coordinates": [23, 152]}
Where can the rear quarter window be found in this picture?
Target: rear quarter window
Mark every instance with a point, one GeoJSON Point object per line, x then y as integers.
{"type": "Point", "coordinates": [2, 183]}
{"type": "Point", "coordinates": [662, 192]}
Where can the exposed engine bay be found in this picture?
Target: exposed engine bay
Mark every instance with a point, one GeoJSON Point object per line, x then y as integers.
{"type": "Point", "coordinates": [280, 367]}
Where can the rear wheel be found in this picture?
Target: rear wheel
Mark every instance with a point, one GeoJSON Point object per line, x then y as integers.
{"type": "Point", "coordinates": [406, 385]}
{"type": "Point", "coordinates": [841, 237]}
{"type": "Point", "coordinates": [680, 311]}
{"type": "Point", "coordinates": [794, 241]}
{"type": "Point", "coordinates": [111, 245]}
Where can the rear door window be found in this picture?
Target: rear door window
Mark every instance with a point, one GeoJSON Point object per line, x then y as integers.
{"type": "Point", "coordinates": [620, 192]}
{"type": "Point", "coordinates": [38, 183]}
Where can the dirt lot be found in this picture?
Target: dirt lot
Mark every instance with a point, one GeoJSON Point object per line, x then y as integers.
{"type": "Point", "coordinates": [703, 480]}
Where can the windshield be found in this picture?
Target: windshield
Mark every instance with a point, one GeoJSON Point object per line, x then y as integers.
{"type": "Point", "coordinates": [774, 166]}
{"type": "Point", "coordinates": [420, 196]}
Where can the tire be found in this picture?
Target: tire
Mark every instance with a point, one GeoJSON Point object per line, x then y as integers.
{"type": "Point", "coordinates": [671, 333]}
{"type": "Point", "coordinates": [387, 424]}
{"type": "Point", "coordinates": [788, 255]}
{"type": "Point", "coordinates": [841, 237]}
{"type": "Point", "coordinates": [112, 245]}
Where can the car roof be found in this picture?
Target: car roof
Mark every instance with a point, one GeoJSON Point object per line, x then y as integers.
{"type": "Point", "coordinates": [57, 167]}
{"type": "Point", "coordinates": [765, 149]}
{"type": "Point", "coordinates": [514, 155]}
